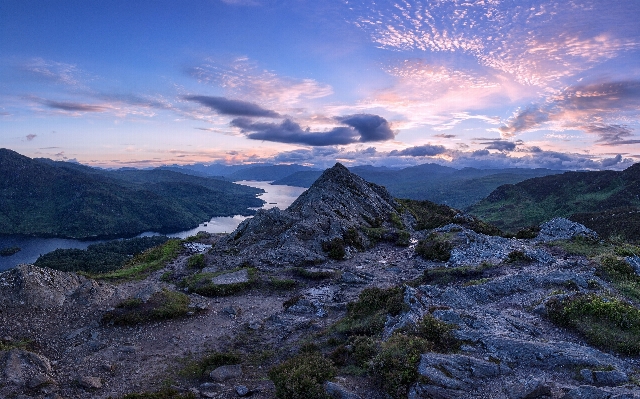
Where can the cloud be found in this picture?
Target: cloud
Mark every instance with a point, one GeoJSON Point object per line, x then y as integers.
{"type": "Point", "coordinates": [370, 127]}
{"type": "Point", "coordinates": [426, 150]}
{"type": "Point", "coordinates": [445, 136]}
{"type": "Point", "coordinates": [55, 72]}
{"type": "Point", "coordinates": [361, 128]}
{"type": "Point", "coordinates": [500, 145]}
{"type": "Point", "coordinates": [30, 137]}
{"type": "Point", "coordinates": [242, 78]}
{"type": "Point", "coordinates": [588, 107]}
{"type": "Point", "coordinates": [74, 107]}
{"type": "Point", "coordinates": [226, 106]}
{"type": "Point", "coordinates": [608, 162]}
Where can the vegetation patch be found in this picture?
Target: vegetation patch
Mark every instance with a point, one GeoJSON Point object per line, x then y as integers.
{"type": "Point", "coordinates": [302, 376]}
{"type": "Point", "coordinates": [202, 283]}
{"type": "Point", "coordinates": [396, 365]}
{"type": "Point", "coordinates": [518, 257]}
{"type": "Point", "coordinates": [368, 314]}
{"type": "Point", "coordinates": [8, 251]}
{"type": "Point", "coordinates": [352, 238]}
{"type": "Point", "coordinates": [430, 215]}
{"type": "Point", "coordinates": [99, 258]}
{"type": "Point", "coordinates": [7, 344]}
{"type": "Point", "coordinates": [162, 305]}
{"type": "Point", "coordinates": [282, 284]}
{"type": "Point", "coordinates": [334, 248]}
{"type": "Point", "coordinates": [621, 274]}
{"type": "Point", "coordinates": [529, 232]}
{"type": "Point", "coordinates": [607, 323]}
{"type": "Point", "coordinates": [196, 261]}
{"type": "Point", "coordinates": [453, 275]}
{"type": "Point", "coordinates": [435, 247]}
{"type": "Point", "coordinates": [145, 263]}
{"type": "Point", "coordinates": [585, 246]}
{"type": "Point", "coordinates": [199, 369]}
{"type": "Point", "coordinates": [168, 393]}
{"type": "Point", "coordinates": [313, 273]}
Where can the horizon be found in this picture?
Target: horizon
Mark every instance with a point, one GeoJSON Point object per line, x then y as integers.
{"type": "Point", "coordinates": [483, 84]}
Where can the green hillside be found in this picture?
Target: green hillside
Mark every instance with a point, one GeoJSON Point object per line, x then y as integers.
{"type": "Point", "coordinates": [606, 201]}
{"type": "Point", "coordinates": [46, 198]}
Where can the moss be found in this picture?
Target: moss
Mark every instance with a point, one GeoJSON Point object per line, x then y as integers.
{"type": "Point", "coordinates": [435, 247]}
{"type": "Point", "coordinates": [196, 261]}
{"type": "Point", "coordinates": [8, 344]}
{"type": "Point", "coordinates": [301, 377]}
{"type": "Point", "coordinates": [162, 305]}
{"type": "Point", "coordinates": [168, 393]}
{"type": "Point", "coordinates": [201, 283]}
{"type": "Point", "coordinates": [200, 368]}
{"type": "Point", "coordinates": [607, 323]}
{"type": "Point", "coordinates": [621, 275]}
{"type": "Point", "coordinates": [282, 284]}
{"type": "Point", "coordinates": [453, 275]}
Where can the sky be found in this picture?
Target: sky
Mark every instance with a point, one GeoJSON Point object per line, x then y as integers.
{"type": "Point", "coordinates": [462, 83]}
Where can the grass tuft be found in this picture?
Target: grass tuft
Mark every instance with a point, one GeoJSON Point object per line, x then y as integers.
{"type": "Point", "coordinates": [162, 305]}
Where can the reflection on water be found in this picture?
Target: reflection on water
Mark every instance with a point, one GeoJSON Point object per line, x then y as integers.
{"type": "Point", "coordinates": [32, 248]}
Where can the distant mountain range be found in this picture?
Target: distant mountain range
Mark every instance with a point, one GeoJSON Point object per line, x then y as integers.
{"type": "Point", "coordinates": [605, 201]}
{"type": "Point", "coordinates": [49, 198]}
{"type": "Point", "coordinates": [441, 184]}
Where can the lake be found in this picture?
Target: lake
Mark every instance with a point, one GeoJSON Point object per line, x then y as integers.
{"type": "Point", "coordinates": [33, 247]}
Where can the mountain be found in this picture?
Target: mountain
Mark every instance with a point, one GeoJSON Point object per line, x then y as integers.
{"type": "Point", "coordinates": [267, 173]}
{"type": "Point", "coordinates": [441, 184]}
{"type": "Point", "coordinates": [48, 198]}
{"type": "Point", "coordinates": [605, 201]}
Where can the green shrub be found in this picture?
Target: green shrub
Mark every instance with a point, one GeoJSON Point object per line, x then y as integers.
{"type": "Point", "coordinates": [312, 274]}
{"type": "Point", "coordinates": [200, 368]}
{"type": "Point", "coordinates": [196, 261]}
{"type": "Point", "coordinates": [517, 257]}
{"type": "Point", "coordinates": [529, 232]}
{"type": "Point", "coordinates": [334, 248]}
{"type": "Point", "coordinates": [168, 393]}
{"type": "Point", "coordinates": [301, 377]}
{"type": "Point", "coordinates": [352, 238]}
{"type": "Point", "coordinates": [161, 305]}
{"type": "Point", "coordinates": [439, 333]}
{"type": "Point", "coordinates": [396, 365]}
{"type": "Point", "coordinates": [607, 323]}
{"type": "Point", "coordinates": [621, 274]}
{"type": "Point", "coordinates": [368, 314]}
{"type": "Point", "coordinates": [403, 239]}
{"type": "Point", "coordinates": [435, 248]}
{"type": "Point", "coordinates": [395, 220]}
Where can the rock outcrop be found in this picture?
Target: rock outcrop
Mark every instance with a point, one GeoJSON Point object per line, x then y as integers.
{"type": "Point", "coordinates": [338, 201]}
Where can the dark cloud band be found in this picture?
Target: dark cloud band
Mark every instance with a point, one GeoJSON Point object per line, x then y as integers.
{"type": "Point", "coordinates": [226, 106]}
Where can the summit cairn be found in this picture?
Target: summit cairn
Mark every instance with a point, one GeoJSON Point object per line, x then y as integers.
{"type": "Point", "coordinates": [332, 210]}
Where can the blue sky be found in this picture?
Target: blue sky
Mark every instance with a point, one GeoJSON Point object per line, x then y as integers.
{"type": "Point", "coordinates": [483, 83]}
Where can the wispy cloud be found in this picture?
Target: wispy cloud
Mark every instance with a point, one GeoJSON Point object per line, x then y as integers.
{"type": "Point", "coordinates": [242, 78]}
{"type": "Point", "coordinates": [52, 71]}
{"type": "Point", "coordinates": [74, 107]}
{"type": "Point", "coordinates": [30, 137]}
{"type": "Point", "coordinates": [225, 106]}
{"type": "Point", "coordinates": [426, 150]}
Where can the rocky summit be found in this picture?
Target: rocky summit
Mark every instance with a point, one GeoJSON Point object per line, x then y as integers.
{"type": "Point", "coordinates": [348, 293]}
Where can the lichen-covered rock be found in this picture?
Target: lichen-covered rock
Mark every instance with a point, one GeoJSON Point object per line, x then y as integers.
{"type": "Point", "coordinates": [563, 229]}
{"type": "Point", "coordinates": [21, 368]}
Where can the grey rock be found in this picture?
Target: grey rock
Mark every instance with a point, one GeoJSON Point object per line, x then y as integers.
{"type": "Point", "coordinates": [457, 371]}
{"type": "Point", "coordinates": [40, 380]}
{"type": "Point", "coordinates": [610, 378]}
{"type": "Point", "coordinates": [634, 261]}
{"type": "Point", "coordinates": [529, 389]}
{"type": "Point", "coordinates": [20, 367]}
{"type": "Point", "coordinates": [337, 391]}
{"type": "Point", "coordinates": [224, 373]}
{"type": "Point", "coordinates": [587, 392]}
{"type": "Point", "coordinates": [563, 229]}
{"type": "Point", "coordinates": [587, 376]}
{"type": "Point", "coordinates": [241, 390]}
{"type": "Point", "coordinates": [237, 277]}
{"type": "Point", "coordinates": [89, 382]}
{"type": "Point", "coordinates": [351, 278]}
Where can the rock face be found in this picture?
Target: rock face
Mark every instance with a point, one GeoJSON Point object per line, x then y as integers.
{"type": "Point", "coordinates": [42, 288]}
{"type": "Point", "coordinates": [338, 201]}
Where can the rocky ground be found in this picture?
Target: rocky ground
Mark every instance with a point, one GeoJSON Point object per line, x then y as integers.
{"type": "Point", "coordinates": [55, 343]}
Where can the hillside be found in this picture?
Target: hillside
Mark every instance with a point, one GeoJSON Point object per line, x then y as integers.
{"type": "Point", "coordinates": [605, 201]}
{"type": "Point", "coordinates": [444, 185]}
{"type": "Point", "coordinates": [347, 293]}
{"type": "Point", "coordinates": [47, 198]}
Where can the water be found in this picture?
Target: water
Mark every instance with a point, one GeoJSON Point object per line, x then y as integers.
{"type": "Point", "coordinates": [33, 247]}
